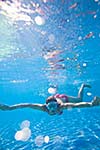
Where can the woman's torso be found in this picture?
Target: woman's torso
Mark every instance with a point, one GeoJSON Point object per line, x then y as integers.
{"type": "Point", "coordinates": [62, 97]}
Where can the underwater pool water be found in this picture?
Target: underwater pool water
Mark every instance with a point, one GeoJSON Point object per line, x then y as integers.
{"type": "Point", "coordinates": [45, 44]}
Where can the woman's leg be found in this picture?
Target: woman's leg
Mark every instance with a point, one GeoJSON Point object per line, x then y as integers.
{"type": "Point", "coordinates": [81, 91]}
{"type": "Point", "coordinates": [79, 98]}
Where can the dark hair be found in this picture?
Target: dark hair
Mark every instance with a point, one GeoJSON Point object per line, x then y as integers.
{"type": "Point", "coordinates": [51, 99]}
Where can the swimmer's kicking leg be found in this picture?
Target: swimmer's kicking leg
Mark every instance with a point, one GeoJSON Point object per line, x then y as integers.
{"type": "Point", "coordinates": [81, 91]}
{"type": "Point", "coordinates": [79, 98]}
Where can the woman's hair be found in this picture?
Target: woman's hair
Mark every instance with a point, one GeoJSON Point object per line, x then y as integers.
{"type": "Point", "coordinates": [51, 99]}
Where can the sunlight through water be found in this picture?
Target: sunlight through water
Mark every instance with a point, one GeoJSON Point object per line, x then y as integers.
{"type": "Point", "coordinates": [49, 47]}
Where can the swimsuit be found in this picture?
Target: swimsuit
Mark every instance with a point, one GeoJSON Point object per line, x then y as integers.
{"type": "Point", "coordinates": [63, 97]}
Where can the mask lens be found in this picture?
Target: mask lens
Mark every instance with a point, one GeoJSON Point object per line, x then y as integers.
{"type": "Point", "coordinates": [52, 106]}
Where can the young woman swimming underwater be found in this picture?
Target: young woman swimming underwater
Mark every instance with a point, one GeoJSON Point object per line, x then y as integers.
{"type": "Point", "coordinates": [57, 103]}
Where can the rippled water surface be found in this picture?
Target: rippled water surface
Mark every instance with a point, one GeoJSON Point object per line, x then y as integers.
{"type": "Point", "coordinates": [43, 44]}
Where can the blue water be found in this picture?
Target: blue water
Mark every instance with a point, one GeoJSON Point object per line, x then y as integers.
{"type": "Point", "coordinates": [61, 48]}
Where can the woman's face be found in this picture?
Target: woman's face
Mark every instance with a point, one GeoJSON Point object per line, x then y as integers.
{"type": "Point", "coordinates": [52, 107]}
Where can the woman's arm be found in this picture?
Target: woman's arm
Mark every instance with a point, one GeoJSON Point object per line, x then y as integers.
{"type": "Point", "coordinates": [77, 105]}
{"type": "Point", "coordinates": [23, 105]}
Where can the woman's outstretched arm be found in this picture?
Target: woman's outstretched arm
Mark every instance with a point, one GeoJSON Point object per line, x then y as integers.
{"type": "Point", "coordinates": [41, 107]}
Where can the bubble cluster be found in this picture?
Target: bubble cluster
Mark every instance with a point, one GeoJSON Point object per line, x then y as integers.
{"type": "Point", "coordinates": [40, 140]}
{"type": "Point", "coordinates": [89, 94]}
{"type": "Point", "coordinates": [39, 20]}
{"type": "Point", "coordinates": [44, 1]}
{"type": "Point", "coordinates": [96, 0]}
{"type": "Point", "coordinates": [25, 133]}
{"type": "Point", "coordinates": [84, 64]}
{"type": "Point", "coordinates": [80, 38]}
{"type": "Point", "coordinates": [25, 124]}
{"type": "Point", "coordinates": [52, 90]}
{"type": "Point", "coordinates": [46, 139]}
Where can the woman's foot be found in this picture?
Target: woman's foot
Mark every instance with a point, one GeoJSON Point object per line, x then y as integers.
{"type": "Point", "coordinates": [87, 85]}
{"type": "Point", "coordinates": [96, 101]}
